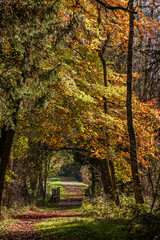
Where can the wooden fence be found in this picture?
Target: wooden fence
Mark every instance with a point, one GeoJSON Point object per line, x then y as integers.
{"type": "Point", "coordinates": [55, 198]}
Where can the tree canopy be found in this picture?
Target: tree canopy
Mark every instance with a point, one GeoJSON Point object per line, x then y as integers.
{"type": "Point", "coordinates": [66, 69]}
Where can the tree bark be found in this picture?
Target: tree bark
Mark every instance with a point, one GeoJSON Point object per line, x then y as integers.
{"type": "Point", "coordinates": [8, 186]}
{"type": "Point", "coordinates": [114, 183]}
{"type": "Point", "coordinates": [6, 141]}
{"type": "Point", "coordinates": [111, 171]}
{"type": "Point", "coordinates": [105, 177]}
{"type": "Point", "coordinates": [104, 163]}
{"type": "Point", "coordinates": [132, 137]}
{"type": "Point", "coordinates": [93, 177]}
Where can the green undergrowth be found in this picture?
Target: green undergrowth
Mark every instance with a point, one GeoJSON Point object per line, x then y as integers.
{"type": "Point", "coordinates": [101, 219]}
{"type": "Point", "coordinates": [137, 219]}
{"type": "Point", "coordinates": [97, 219]}
{"type": "Point", "coordinates": [91, 225]}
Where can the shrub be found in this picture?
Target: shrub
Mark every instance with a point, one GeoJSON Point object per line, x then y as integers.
{"type": "Point", "coordinates": [43, 203]}
{"type": "Point", "coordinates": [137, 218]}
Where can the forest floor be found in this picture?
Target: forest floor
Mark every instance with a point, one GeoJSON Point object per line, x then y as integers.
{"type": "Point", "coordinates": [63, 221]}
{"type": "Point", "coordinates": [25, 225]}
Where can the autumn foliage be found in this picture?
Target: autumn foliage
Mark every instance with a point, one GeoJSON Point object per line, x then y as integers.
{"type": "Point", "coordinates": [53, 91]}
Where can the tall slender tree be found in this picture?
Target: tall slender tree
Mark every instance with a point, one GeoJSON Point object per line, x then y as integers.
{"type": "Point", "coordinates": [132, 137]}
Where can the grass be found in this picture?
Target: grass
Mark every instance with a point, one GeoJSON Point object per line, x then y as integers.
{"type": "Point", "coordinates": [73, 227]}
{"type": "Point", "coordinates": [81, 228]}
{"type": "Point", "coordinates": [78, 227]}
{"type": "Point", "coordinates": [71, 181]}
{"type": "Point", "coordinates": [97, 219]}
{"type": "Point", "coordinates": [86, 222]}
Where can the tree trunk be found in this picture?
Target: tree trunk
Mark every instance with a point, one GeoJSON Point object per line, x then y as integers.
{"type": "Point", "coordinates": [114, 184]}
{"type": "Point", "coordinates": [45, 178]}
{"type": "Point", "coordinates": [6, 141]}
{"type": "Point", "coordinates": [133, 152]}
{"type": "Point", "coordinates": [105, 177]}
{"type": "Point", "coordinates": [41, 187]}
{"type": "Point", "coordinates": [111, 176]}
{"type": "Point", "coordinates": [25, 191]}
{"type": "Point", "coordinates": [8, 186]}
{"type": "Point", "coordinates": [104, 163]}
{"type": "Point", "coordinates": [93, 177]}
{"type": "Point", "coordinates": [33, 185]}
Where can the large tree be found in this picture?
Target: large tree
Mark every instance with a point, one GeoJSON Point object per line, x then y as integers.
{"type": "Point", "coordinates": [30, 32]}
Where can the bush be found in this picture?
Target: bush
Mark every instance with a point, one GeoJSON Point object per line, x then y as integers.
{"type": "Point", "coordinates": [140, 222]}
{"type": "Point", "coordinates": [43, 203]}
{"type": "Point", "coordinates": [101, 206]}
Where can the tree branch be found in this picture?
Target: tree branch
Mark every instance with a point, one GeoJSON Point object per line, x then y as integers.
{"type": "Point", "coordinates": [107, 6]}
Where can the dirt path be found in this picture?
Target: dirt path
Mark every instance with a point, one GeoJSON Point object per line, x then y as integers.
{"type": "Point", "coordinates": [74, 196]}
{"type": "Point", "coordinates": [23, 225]}
{"type": "Point", "coordinates": [75, 193]}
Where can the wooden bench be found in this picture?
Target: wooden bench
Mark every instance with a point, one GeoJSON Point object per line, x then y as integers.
{"type": "Point", "coordinates": [55, 198]}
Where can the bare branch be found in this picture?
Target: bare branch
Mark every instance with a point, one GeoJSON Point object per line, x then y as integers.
{"type": "Point", "coordinates": [107, 6]}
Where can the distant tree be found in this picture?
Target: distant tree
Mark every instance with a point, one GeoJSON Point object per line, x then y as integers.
{"type": "Point", "coordinates": [146, 57]}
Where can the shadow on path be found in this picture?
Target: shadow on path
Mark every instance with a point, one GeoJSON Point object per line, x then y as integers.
{"type": "Point", "coordinates": [24, 227]}
{"type": "Point", "coordinates": [42, 215]}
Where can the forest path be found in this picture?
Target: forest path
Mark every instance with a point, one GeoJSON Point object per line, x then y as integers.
{"type": "Point", "coordinates": [22, 226]}
{"type": "Point", "coordinates": [75, 192]}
